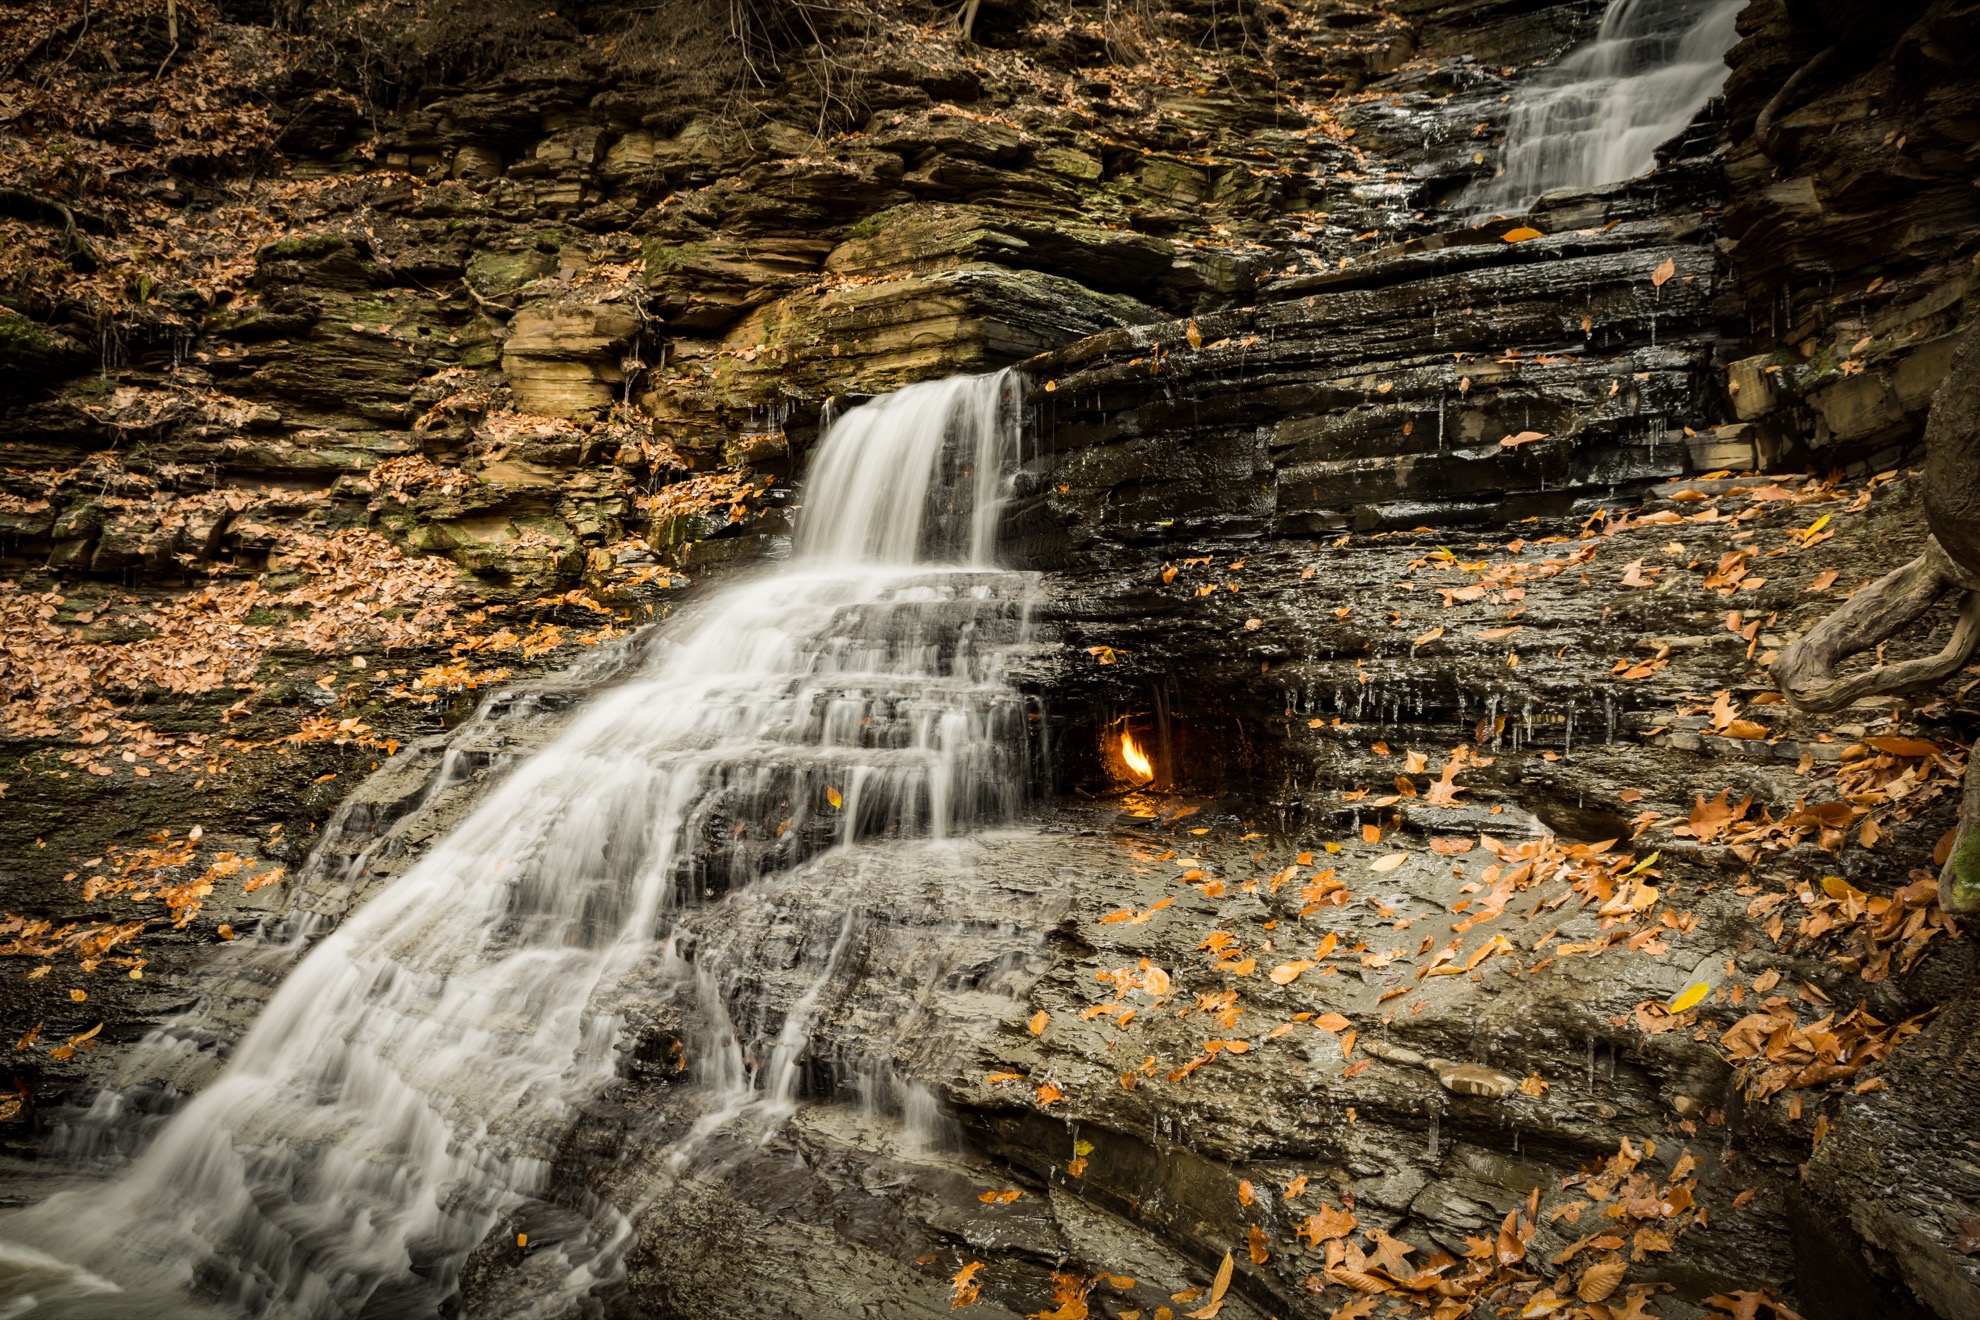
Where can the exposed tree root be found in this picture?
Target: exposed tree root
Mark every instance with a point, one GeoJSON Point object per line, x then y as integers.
{"type": "Point", "coordinates": [1805, 671]}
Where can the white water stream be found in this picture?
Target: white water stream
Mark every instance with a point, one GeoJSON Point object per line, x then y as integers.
{"type": "Point", "coordinates": [1600, 114]}
{"type": "Point", "coordinates": [410, 1081]}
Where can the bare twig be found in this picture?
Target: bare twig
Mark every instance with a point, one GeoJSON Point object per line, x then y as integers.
{"type": "Point", "coordinates": [171, 30]}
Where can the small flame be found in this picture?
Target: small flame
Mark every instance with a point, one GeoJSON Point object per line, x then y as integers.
{"type": "Point", "coordinates": [1137, 760]}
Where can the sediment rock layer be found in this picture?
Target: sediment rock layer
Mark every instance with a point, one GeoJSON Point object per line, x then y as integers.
{"type": "Point", "coordinates": [341, 386]}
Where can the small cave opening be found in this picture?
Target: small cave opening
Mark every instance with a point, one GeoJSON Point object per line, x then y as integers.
{"type": "Point", "coordinates": [1129, 749]}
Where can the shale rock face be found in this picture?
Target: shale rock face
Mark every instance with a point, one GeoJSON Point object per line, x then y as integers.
{"type": "Point", "coordinates": [1333, 493]}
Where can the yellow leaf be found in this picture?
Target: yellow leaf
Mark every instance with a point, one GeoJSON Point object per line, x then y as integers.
{"type": "Point", "coordinates": [1688, 998]}
{"type": "Point", "coordinates": [832, 796]}
{"type": "Point", "coordinates": [1038, 1021]}
{"type": "Point", "coordinates": [1389, 863]}
{"type": "Point", "coordinates": [1520, 235]}
{"type": "Point", "coordinates": [1287, 973]}
{"type": "Point", "coordinates": [1837, 887]}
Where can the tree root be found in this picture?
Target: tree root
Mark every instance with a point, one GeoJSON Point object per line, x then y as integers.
{"type": "Point", "coordinates": [1805, 669]}
{"type": "Point", "coordinates": [1805, 672]}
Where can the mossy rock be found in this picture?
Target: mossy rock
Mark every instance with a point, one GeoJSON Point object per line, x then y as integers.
{"type": "Point", "coordinates": [30, 354]}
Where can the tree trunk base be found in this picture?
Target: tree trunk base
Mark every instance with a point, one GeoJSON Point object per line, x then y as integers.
{"type": "Point", "coordinates": [1959, 878]}
{"type": "Point", "coordinates": [1806, 673]}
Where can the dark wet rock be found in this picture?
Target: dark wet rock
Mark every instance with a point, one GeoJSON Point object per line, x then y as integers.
{"type": "Point", "coordinates": [1255, 330]}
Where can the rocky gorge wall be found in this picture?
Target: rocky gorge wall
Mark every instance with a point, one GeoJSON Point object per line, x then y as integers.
{"type": "Point", "coordinates": [330, 403]}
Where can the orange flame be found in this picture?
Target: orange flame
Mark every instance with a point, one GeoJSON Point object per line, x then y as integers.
{"type": "Point", "coordinates": [1137, 760]}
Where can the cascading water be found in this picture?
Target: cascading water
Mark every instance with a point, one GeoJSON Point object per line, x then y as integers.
{"type": "Point", "coordinates": [1600, 114]}
{"type": "Point", "coordinates": [409, 1082]}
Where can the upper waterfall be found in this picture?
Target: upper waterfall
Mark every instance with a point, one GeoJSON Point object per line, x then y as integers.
{"type": "Point", "coordinates": [1600, 114]}
{"type": "Point", "coordinates": [410, 1081]}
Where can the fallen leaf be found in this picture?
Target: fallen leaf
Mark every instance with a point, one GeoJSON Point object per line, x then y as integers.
{"type": "Point", "coordinates": [1688, 998]}
{"type": "Point", "coordinates": [966, 1286]}
{"type": "Point", "coordinates": [1520, 235]}
{"type": "Point", "coordinates": [1904, 746]}
{"type": "Point", "coordinates": [1661, 276]}
{"type": "Point", "coordinates": [1601, 1279]}
{"type": "Point", "coordinates": [1218, 1287]}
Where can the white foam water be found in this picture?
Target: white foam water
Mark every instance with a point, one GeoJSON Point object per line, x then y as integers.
{"type": "Point", "coordinates": [410, 1082]}
{"type": "Point", "coordinates": [1600, 114]}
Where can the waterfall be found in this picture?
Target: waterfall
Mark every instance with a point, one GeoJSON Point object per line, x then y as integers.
{"type": "Point", "coordinates": [411, 1080]}
{"type": "Point", "coordinates": [1600, 114]}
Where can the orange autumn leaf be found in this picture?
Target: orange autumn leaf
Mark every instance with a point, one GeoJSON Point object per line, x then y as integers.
{"type": "Point", "coordinates": [966, 1285]}
{"type": "Point", "coordinates": [1218, 1287]}
{"type": "Point", "coordinates": [1326, 1225]}
{"type": "Point", "coordinates": [1038, 1021]}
